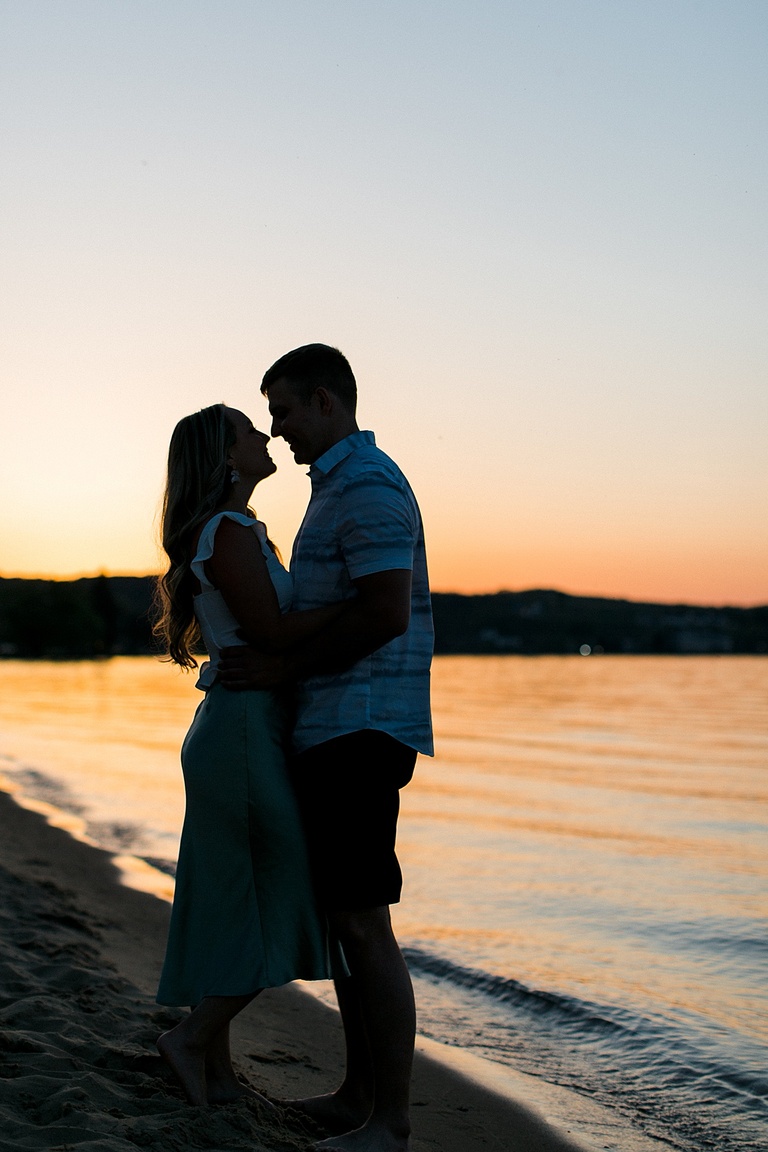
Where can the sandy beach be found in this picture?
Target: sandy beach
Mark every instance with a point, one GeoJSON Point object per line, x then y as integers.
{"type": "Point", "coordinates": [81, 953]}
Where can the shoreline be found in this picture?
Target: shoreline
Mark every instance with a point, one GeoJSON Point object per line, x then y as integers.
{"type": "Point", "coordinates": [81, 955]}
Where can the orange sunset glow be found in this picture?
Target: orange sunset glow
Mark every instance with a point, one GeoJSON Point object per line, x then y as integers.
{"type": "Point", "coordinates": [539, 242]}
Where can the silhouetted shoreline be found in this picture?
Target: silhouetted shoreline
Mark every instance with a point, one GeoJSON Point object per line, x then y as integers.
{"type": "Point", "coordinates": [110, 616]}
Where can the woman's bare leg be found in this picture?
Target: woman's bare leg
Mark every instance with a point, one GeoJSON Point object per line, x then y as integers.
{"type": "Point", "coordinates": [189, 1047]}
{"type": "Point", "coordinates": [222, 1084]}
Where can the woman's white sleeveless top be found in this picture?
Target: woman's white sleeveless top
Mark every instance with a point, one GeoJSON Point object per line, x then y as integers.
{"type": "Point", "coordinates": [217, 624]}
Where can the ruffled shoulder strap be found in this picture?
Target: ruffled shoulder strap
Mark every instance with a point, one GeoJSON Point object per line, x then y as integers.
{"type": "Point", "coordinates": [208, 535]}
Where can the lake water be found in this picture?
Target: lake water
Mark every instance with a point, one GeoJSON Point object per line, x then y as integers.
{"type": "Point", "coordinates": [585, 860]}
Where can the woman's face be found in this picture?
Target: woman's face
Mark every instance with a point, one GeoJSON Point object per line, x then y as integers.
{"type": "Point", "coordinates": [249, 453]}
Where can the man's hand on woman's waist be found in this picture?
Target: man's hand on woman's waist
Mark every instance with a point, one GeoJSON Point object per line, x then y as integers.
{"type": "Point", "coordinates": [242, 667]}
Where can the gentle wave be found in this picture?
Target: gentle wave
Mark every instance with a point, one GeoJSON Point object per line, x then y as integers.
{"type": "Point", "coordinates": [510, 991]}
{"type": "Point", "coordinates": [673, 1076]}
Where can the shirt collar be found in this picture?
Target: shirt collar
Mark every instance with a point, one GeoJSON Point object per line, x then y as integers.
{"type": "Point", "coordinates": [339, 451]}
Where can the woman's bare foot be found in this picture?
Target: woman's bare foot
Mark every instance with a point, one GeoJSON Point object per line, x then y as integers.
{"type": "Point", "coordinates": [331, 1112]}
{"type": "Point", "coordinates": [221, 1080]}
{"type": "Point", "coordinates": [219, 1093]}
{"type": "Point", "coordinates": [225, 1093]}
{"type": "Point", "coordinates": [222, 1083]}
{"type": "Point", "coordinates": [187, 1063]}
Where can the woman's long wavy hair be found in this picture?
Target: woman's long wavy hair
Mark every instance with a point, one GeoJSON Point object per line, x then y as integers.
{"type": "Point", "coordinates": [199, 480]}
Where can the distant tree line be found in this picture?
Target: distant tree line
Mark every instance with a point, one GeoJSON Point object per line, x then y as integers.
{"type": "Point", "coordinates": [108, 616]}
{"type": "Point", "coordinates": [99, 616]}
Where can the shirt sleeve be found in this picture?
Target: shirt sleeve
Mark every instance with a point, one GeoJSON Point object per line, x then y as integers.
{"type": "Point", "coordinates": [377, 525]}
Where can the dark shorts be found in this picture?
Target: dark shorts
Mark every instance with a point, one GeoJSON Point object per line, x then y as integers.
{"type": "Point", "coordinates": [349, 796]}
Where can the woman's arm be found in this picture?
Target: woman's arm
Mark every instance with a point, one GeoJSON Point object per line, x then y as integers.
{"type": "Point", "coordinates": [238, 569]}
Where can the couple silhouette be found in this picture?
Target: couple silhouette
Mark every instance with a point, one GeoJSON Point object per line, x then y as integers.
{"type": "Point", "coordinates": [316, 705]}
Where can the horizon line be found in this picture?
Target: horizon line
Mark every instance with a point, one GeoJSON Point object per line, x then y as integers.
{"type": "Point", "coordinates": [674, 602]}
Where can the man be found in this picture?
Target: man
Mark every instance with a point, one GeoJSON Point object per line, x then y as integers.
{"type": "Point", "coordinates": [362, 716]}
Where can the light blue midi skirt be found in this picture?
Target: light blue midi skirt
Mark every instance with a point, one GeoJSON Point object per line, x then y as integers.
{"type": "Point", "coordinates": [244, 913]}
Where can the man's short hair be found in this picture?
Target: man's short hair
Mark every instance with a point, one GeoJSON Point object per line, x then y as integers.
{"type": "Point", "coordinates": [311, 367]}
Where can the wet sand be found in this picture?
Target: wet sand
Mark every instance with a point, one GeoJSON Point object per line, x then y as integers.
{"type": "Point", "coordinates": [80, 955]}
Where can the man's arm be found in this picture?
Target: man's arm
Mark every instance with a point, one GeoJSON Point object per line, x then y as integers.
{"type": "Point", "coordinates": [380, 612]}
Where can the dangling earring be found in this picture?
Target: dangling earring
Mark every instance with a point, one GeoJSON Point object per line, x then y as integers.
{"type": "Point", "coordinates": [234, 477]}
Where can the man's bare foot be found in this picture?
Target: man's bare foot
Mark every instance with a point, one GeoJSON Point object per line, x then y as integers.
{"type": "Point", "coordinates": [372, 1137]}
{"type": "Point", "coordinates": [187, 1063]}
{"type": "Point", "coordinates": [331, 1112]}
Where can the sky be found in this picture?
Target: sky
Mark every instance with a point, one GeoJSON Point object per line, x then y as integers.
{"type": "Point", "coordinates": [537, 229]}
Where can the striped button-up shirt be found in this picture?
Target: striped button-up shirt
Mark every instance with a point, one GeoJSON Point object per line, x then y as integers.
{"type": "Point", "coordinates": [363, 518]}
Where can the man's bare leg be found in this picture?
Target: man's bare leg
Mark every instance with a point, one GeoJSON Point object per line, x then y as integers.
{"type": "Point", "coordinates": [186, 1047]}
{"type": "Point", "coordinates": [386, 1002]}
{"type": "Point", "coordinates": [352, 1102]}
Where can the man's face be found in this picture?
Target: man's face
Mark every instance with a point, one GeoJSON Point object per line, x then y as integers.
{"type": "Point", "coordinates": [301, 425]}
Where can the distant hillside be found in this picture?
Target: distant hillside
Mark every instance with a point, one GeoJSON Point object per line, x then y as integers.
{"type": "Point", "coordinates": [104, 616]}
{"type": "Point", "coordinates": [540, 622]}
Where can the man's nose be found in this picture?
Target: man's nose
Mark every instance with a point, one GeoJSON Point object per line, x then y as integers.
{"type": "Point", "coordinates": [275, 429]}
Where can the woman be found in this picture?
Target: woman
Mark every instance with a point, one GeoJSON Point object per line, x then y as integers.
{"type": "Point", "coordinates": [244, 915]}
